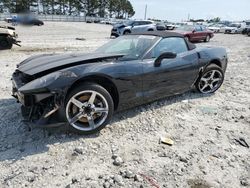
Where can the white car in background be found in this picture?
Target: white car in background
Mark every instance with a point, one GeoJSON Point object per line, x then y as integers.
{"type": "Point", "coordinates": [217, 28]}
{"type": "Point", "coordinates": [235, 28]}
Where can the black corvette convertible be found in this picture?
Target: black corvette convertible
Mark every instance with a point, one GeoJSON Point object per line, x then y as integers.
{"type": "Point", "coordinates": [84, 90]}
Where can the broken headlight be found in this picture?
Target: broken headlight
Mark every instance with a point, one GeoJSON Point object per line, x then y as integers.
{"type": "Point", "coordinates": [40, 84]}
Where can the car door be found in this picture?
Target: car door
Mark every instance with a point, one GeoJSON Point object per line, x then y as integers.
{"type": "Point", "coordinates": [198, 33]}
{"type": "Point", "coordinates": [173, 76]}
{"type": "Point", "coordinates": [204, 32]}
{"type": "Point", "coordinates": [136, 27]}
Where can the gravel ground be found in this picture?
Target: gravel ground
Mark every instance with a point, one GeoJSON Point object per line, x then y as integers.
{"type": "Point", "coordinates": [127, 153]}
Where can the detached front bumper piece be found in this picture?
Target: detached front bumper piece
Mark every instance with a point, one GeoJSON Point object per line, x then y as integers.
{"type": "Point", "coordinates": [38, 109]}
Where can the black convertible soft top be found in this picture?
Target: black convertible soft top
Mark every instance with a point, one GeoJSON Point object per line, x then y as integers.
{"type": "Point", "coordinates": [166, 34]}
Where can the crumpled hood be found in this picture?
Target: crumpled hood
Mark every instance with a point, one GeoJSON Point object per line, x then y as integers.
{"type": "Point", "coordinates": [53, 62]}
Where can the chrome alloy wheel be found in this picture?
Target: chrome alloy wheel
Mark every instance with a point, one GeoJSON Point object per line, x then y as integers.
{"type": "Point", "coordinates": [210, 81]}
{"type": "Point", "coordinates": [87, 110]}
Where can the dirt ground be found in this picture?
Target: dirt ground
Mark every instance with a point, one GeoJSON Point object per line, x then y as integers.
{"type": "Point", "coordinates": [127, 152]}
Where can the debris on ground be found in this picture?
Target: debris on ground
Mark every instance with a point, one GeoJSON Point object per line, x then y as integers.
{"type": "Point", "coordinates": [80, 39]}
{"type": "Point", "coordinates": [242, 142]}
{"type": "Point", "coordinates": [167, 141]}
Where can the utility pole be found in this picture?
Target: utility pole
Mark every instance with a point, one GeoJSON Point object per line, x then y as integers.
{"type": "Point", "coordinates": [188, 16]}
{"type": "Point", "coordinates": [146, 9]}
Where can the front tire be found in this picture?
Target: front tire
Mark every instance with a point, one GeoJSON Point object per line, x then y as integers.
{"type": "Point", "coordinates": [89, 108]}
{"type": "Point", "coordinates": [126, 32]}
{"type": "Point", "coordinates": [4, 43]}
{"type": "Point", "coordinates": [210, 80]}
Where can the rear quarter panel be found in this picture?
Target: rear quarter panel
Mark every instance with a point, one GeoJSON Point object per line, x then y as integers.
{"type": "Point", "coordinates": [209, 54]}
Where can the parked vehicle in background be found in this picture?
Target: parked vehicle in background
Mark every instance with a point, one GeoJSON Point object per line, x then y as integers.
{"type": "Point", "coordinates": [217, 28]}
{"type": "Point", "coordinates": [24, 20]}
{"type": "Point", "coordinates": [8, 37]}
{"type": "Point", "coordinates": [246, 31]}
{"type": "Point", "coordinates": [9, 19]}
{"type": "Point", "coordinates": [195, 33]}
{"type": "Point", "coordinates": [170, 26]}
{"type": "Point", "coordinates": [32, 21]}
{"type": "Point", "coordinates": [132, 26]}
{"type": "Point", "coordinates": [235, 28]}
{"type": "Point", "coordinates": [160, 26]}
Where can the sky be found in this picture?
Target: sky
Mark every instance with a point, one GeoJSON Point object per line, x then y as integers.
{"type": "Point", "coordinates": [178, 10]}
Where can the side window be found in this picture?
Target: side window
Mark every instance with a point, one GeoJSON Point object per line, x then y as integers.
{"type": "Point", "coordinates": [203, 28]}
{"type": "Point", "coordinates": [172, 44]}
{"type": "Point", "coordinates": [136, 23]}
{"type": "Point", "coordinates": [198, 28]}
{"type": "Point", "coordinates": [148, 23]}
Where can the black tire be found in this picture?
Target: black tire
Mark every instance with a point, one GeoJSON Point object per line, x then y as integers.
{"type": "Point", "coordinates": [248, 33]}
{"type": "Point", "coordinates": [208, 69]}
{"type": "Point", "coordinates": [127, 32]}
{"type": "Point", "coordinates": [99, 89]}
{"type": "Point", "coordinates": [207, 39]}
{"type": "Point", "coordinates": [5, 43]}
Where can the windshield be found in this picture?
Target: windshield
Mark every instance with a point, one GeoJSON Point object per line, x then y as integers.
{"type": "Point", "coordinates": [186, 28]}
{"type": "Point", "coordinates": [132, 46]}
{"type": "Point", "coordinates": [234, 25]}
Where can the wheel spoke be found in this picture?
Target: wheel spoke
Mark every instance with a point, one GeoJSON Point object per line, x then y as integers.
{"type": "Point", "coordinates": [211, 86]}
{"type": "Point", "coordinates": [212, 74]}
{"type": "Point", "coordinates": [204, 80]}
{"type": "Point", "coordinates": [204, 87]}
{"type": "Point", "coordinates": [76, 102]}
{"type": "Point", "coordinates": [76, 117]}
{"type": "Point", "coordinates": [91, 121]}
{"type": "Point", "coordinates": [100, 110]}
{"type": "Point", "coordinates": [216, 80]}
{"type": "Point", "coordinates": [92, 97]}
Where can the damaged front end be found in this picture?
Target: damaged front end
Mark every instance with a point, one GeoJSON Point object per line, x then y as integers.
{"type": "Point", "coordinates": [41, 98]}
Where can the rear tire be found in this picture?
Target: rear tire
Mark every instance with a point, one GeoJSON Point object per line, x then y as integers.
{"type": "Point", "coordinates": [207, 39]}
{"type": "Point", "coordinates": [210, 80]}
{"type": "Point", "coordinates": [248, 33]}
{"type": "Point", "coordinates": [89, 108]}
{"type": "Point", "coordinates": [4, 43]}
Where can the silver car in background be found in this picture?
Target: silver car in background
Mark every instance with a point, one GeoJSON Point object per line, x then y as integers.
{"type": "Point", "coordinates": [133, 26]}
{"type": "Point", "coordinates": [235, 28]}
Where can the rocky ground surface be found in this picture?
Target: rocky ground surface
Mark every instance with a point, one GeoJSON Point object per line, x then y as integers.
{"type": "Point", "coordinates": [127, 153]}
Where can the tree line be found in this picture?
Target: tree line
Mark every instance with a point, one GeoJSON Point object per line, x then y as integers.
{"type": "Point", "coordinates": [101, 8]}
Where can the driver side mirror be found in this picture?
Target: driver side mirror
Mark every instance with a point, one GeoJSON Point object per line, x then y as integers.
{"type": "Point", "coordinates": [193, 31]}
{"type": "Point", "coordinates": [165, 55]}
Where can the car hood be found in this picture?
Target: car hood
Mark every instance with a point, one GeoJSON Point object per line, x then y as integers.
{"type": "Point", "coordinates": [182, 32]}
{"type": "Point", "coordinates": [53, 62]}
{"type": "Point", "coordinates": [120, 25]}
